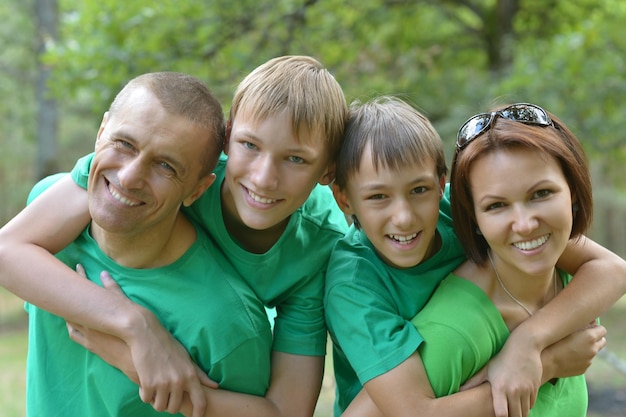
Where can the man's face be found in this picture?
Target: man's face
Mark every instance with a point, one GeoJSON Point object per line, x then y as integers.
{"type": "Point", "coordinates": [270, 173]}
{"type": "Point", "coordinates": [147, 163]}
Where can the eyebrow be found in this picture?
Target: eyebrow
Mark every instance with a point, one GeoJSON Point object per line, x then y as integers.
{"type": "Point", "coordinates": [418, 180]}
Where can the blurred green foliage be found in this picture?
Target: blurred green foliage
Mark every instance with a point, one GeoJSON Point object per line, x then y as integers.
{"type": "Point", "coordinates": [450, 58]}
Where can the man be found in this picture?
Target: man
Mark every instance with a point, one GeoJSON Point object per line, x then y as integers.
{"type": "Point", "coordinates": [155, 152]}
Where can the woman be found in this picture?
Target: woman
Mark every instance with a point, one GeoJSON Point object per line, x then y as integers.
{"type": "Point", "coordinates": [520, 189]}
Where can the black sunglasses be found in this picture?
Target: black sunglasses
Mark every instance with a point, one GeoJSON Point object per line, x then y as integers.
{"type": "Point", "coordinates": [521, 112]}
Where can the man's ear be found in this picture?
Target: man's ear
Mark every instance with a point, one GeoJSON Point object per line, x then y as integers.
{"type": "Point", "coordinates": [103, 123]}
{"type": "Point", "coordinates": [202, 185]}
{"type": "Point", "coordinates": [342, 200]}
{"type": "Point", "coordinates": [229, 128]}
{"type": "Point", "coordinates": [329, 176]}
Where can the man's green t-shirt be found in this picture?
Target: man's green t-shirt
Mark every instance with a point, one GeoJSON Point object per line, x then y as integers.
{"type": "Point", "coordinates": [199, 298]}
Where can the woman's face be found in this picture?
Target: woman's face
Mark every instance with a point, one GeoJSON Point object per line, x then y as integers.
{"type": "Point", "coordinates": [523, 207]}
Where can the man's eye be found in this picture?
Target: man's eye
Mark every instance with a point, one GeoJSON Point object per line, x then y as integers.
{"type": "Point", "coordinates": [167, 167]}
{"type": "Point", "coordinates": [125, 144]}
{"type": "Point", "coordinates": [296, 159]}
{"type": "Point", "coordinates": [249, 145]}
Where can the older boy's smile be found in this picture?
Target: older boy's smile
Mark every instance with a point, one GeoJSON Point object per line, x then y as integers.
{"type": "Point", "coordinates": [259, 199]}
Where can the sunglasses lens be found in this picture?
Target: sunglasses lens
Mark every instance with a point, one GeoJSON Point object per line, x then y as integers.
{"type": "Point", "coordinates": [472, 128]}
{"type": "Point", "coordinates": [526, 113]}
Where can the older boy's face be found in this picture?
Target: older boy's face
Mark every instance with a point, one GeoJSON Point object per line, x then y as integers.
{"type": "Point", "coordinates": [146, 164]}
{"type": "Point", "coordinates": [397, 210]}
{"type": "Point", "coordinates": [270, 173]}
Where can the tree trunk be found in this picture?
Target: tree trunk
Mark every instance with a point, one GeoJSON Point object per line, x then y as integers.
{"type": "Point", "coordinates": [47, 116]}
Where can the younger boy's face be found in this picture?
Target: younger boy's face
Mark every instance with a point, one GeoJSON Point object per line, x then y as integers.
{"type": "Point", "coordinates": [397, 210]}
{"type": "Point", "coordinates": [270, 173]}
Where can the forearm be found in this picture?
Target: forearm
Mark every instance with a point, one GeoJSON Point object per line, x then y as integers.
{"type": "Point", "coordinates": [476, 402]}
{"type": "Point", "coordinates": [29, 270]}
{"type": "Point", "coordinates": [405, 391]}
{"type": "Point", "coordinates": [36, 276]}
{"type": "Point", "coordinates": [596, 285]}
{"type": "Point", "coordinates": [293, 391]}
{"type": "Point", "coordinates": [226, 403]}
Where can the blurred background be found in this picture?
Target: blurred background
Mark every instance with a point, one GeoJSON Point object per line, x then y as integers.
{"type": "Point", "coordinates": [61, 62]}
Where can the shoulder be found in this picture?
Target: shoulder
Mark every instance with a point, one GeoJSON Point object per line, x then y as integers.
{"type": "Point", "coordinates": [353, 260]}
{"type": "Point", "coordinates": [43, 184]}
{"type": "Point", "coordinates": [319, 217]}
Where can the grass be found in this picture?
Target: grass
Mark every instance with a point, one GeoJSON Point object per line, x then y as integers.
{"type": "Point", "coordinates": [601, 376]}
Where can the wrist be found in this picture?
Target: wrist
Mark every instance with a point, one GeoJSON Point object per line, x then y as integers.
{"type": "Point", "coordinates": [135, 321]}
{"type": "Point", "coordinates": [531, 334]}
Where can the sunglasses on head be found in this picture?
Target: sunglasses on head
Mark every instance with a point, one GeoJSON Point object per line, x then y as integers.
{"type": "Point", "coordinates": [521, 112]}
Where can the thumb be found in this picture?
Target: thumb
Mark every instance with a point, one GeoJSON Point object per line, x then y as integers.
{"type": "Point", "coordinates": [205, 380]}
{"type": "Point", "coordinates": [109, 283]}
{"type": "Point", "coordinates": [479, 378]}
{"type": "Point", "coordinates": [81, 270]}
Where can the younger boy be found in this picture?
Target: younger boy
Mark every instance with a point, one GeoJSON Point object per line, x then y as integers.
{"type": "Point", "coordinates": [391, 180]}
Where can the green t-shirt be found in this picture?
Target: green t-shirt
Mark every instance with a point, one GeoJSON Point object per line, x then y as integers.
{"type": "Point", "coordinates": [199, 298]}
{"type": "Point", "coordinates": [290, 276]}
{"type": "Point", "coordinates": [369, 305]}
{"type": "Point", "coordinates": [463, 329]}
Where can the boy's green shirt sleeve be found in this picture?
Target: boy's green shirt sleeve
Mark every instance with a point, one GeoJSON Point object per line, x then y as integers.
{"type": "Point", "coordinates": [80, 172]}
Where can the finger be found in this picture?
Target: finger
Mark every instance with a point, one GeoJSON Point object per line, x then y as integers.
{"type": "Point", "coordinates": [81, 271]}
{"type": "Point", "coordinates": [500, 404]}
{"type": "Point", "coordinates": [533, 399]}
{"type": "Point", "coordinates": [602, 344]}
{"type": "Point", "coordinates": [160, 400]}
{"type": "Point", "coordinates": [474, 381]}
{"type": "Point", "coordinates": [198, 400]}
{"type": "Point", "coordinates": [175, 401]}
{"type": "Point", "coordinates": [109, 283]}
{"type": "Point", "coordinates": [146, 395]}
{"type": "Point", "coordinates": [72, 331]}
{"type": "Point", "coordinates": [205, 380]}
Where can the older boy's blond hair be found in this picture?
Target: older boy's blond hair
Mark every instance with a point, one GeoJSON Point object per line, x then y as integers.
{"type": "Point", "coordinates": [301, 86]}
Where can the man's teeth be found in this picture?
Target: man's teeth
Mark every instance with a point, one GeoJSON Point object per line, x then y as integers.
{"type": "Point", "coordinates": [123, 199]}
{"type": "Point", "coordinates": [260, 199]}
{"type": "Point", "coordinates": [403, 239]}
{"type": "Point", "coordinates": [532, 244]}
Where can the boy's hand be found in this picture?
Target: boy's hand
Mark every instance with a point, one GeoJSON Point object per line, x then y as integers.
{"type": "Point", "coordinates": [162, 366]}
